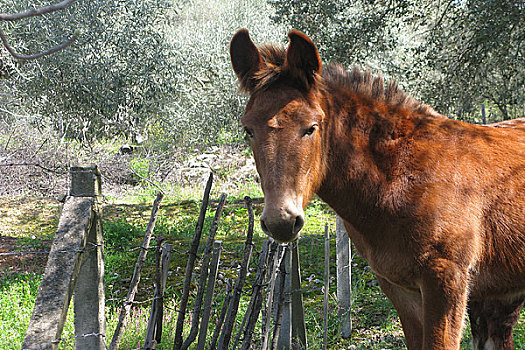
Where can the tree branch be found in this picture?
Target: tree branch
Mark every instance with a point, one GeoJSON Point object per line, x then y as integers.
{"type": "Point", "coordinates": [35, 12]}
{"type": "Point", "coordinates": [31, 13]}
{"type": "Point", "coordinates": [37, 55]}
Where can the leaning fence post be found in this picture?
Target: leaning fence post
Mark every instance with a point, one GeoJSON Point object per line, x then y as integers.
{"type": "Point", "coordinates": [77, 248]}
{"type": "Point", "coordinates": [214, 266]}
{"type": "Point", "coordinates": [226, 334]}
{"type": "Point", "coordinates": [89, 302]}
{"type": "Point", "coordinates": [177, 343]}
{"type": "Point", "coordinates": [204, 275]}
{"type": "Point", "coordinates": [257, 294]}
{"type": "Point", "coordinates": [277, 341]}
{"type": "Point", "coordinates": [344, 280]}
{"type": "Point", "coordinates": [276, 251]}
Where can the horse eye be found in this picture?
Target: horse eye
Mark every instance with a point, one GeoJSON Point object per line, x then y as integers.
{"type": "Point", "coordinates": [248, 132]}
{"type": "Point", "coordinates": [311, 130]}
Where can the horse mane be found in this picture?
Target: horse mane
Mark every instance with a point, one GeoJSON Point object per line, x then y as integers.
{"type": "Point", "coordinates": [363, 83]}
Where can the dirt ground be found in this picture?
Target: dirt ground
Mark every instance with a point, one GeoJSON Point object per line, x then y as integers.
{"type": "Point", "coordinates": [27, 226]}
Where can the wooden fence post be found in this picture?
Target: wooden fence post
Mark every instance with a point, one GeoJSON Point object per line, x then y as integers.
{"type": "Point", "coordinates": [284, 340]}
{"type": "Point", "coordinates": [344, 278]}
{"type": "Point", "coordinates": [154, 330]}
{"type": "Point", "coordinates": [177, 343]}
{"type": "Point", "coordinates": [77, 248]}
{"type": "Point", "coordinates": [133, 286]}
{"type": "Point", "coordinates": [298, 322]}
{"type": "Point", "coordinates": [212, 277]}
{"type": "Point", "coordinates": [326, 284]}
{"type": "Point", "coordinates": [226, 334]}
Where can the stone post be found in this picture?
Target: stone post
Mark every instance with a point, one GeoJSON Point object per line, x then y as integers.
{"type": "Point", "coordinates": [90, 322]}
{"type": "Point", "coordinates": [75, 264]}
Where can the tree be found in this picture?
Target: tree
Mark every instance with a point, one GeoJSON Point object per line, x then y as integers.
{"type": "Point", "coordinates": [206, 106]}
{"type": "Point", "coordinates": [112, 81]}
{"type": "Point", "coordinates": [477, 48]}
{"type": "Point", "coordinates": [452, 54]}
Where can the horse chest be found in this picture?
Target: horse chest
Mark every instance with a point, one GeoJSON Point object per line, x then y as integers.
{"type": "Point", "coordinates": [390, 259]}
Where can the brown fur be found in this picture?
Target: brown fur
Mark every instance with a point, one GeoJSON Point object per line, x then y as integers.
{"type": "Point", "coordinates": [436, 206]}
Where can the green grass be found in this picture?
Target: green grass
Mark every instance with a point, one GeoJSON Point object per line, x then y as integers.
{"type": "Point", "coordinates": [375, 322]}
{"type": "Point", "coordinates": [17, 298]}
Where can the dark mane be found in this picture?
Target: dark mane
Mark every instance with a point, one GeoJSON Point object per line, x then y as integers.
{"type": "Point", "coordinates": [363, 83]}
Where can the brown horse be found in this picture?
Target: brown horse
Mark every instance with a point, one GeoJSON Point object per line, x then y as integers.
{"type": "Point", "coordinates": [436, 206]}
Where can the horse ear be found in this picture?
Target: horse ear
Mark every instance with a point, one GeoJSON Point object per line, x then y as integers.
{"type": "Point", "coordinates": [302, 58]}
{"type": "Point", "coordinates": [246, 59]}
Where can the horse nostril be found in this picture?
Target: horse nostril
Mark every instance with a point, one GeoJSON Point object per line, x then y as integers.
{"type": "Point", "coordinates": [299, 223]}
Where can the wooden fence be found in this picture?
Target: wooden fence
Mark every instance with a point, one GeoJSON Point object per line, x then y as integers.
{"type": "Point", "coordinates": [75, 266]}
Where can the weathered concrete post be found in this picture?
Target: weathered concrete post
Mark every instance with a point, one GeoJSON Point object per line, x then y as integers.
{"type": "Point", "coordinates": [344, 280]}
{"type": "Point", "coordinates": [77, 248]}
{"type": "Point", "coordinates": [90, 321]}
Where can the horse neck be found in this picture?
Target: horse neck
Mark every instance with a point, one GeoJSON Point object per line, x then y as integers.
{"type": "Point", "coordinates": [367, 147]}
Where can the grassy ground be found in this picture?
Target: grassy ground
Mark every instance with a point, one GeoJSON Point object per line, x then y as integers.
{"type": "Point", "coordinates": [33, 221]}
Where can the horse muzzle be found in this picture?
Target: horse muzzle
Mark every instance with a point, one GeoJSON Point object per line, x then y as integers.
{"type": "Point", "coordinates": [282, 224]}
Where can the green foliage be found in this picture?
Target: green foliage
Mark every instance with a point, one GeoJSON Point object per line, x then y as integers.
{"type": "Point", "coordinates": [206, 106]}
{"type": "Point", "coordinates": [475, 47]}
{"type": "Point", "coordinates": [161, 70]}
{"type": "Point", "coordinates": [454, 55]}
{"type": "Point", "coordinates": [141, 167]}
{"type": "Point", "coordinates": [111, 80]}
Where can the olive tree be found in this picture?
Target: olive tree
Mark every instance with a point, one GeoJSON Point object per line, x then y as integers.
{"type": "Point", "coordinates": [452, 54]}
{"type": "Point", "coordinates": [112, 81]}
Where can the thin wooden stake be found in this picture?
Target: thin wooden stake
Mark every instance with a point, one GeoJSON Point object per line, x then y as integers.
{"type": "Point", "coordinates": [220, 321]}
{"type": "Point", "coordinates": [136, 274]}
{"type": "Point", "coordinates": [154, 330]}
{"type": "Point", "coordinates": [164, 266]}
{"type": "Point", "coordinates": [204, 275]}
{"type": "Point", "coordinates": [298, 321]}
{"type": "Point", "coordinates": [190, 265]}
{"type": "Point", "coordinates": [224, 341]}
{"type": "Point", "coordinates": [254, 308]}
{"type": "Point", "coordinates": [326, 284]}
{"type": "Point", "coordinates": [277, 258]}
{"type": "Point", "coordinates": [214, 267]}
